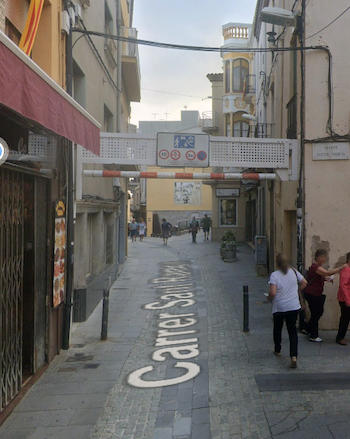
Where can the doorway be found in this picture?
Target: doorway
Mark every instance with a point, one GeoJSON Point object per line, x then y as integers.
{"type": "Point", "coordinates": [290, 235]}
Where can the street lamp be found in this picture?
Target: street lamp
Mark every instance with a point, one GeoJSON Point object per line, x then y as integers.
{"type": "Point", "coordinates": [278, 16]}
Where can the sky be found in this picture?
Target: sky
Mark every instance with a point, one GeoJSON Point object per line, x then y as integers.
{"type": "Point", "coordinates": [171, 79]}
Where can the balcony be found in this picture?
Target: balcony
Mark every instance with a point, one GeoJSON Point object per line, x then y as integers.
{"type": "Point", "coordinates": [131, 67]}
{"type": "Point", "coordinates": [236, 35]}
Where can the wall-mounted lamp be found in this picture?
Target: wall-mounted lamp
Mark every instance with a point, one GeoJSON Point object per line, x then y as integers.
{"type": "Point", "coordinates": [271, 38]}
{"type": "Point", "coordinates": [278, 16]}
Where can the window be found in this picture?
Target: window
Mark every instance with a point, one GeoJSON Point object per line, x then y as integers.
{"type": "Point", "coordinates": [79, 85]}
{"type": "Point", "coordinates": [109, 239]}
{"type": "Point", "coordinates": [228, 125]}
{"type": "Point", "coordinates": [107, 120]}
{"type": "Point", "coordinates": [12, 32]}
{"type": "Point", "coordinates": [241, 129]}
{"type": "Point", "coordinates": [292, 118]}
{"type": "Point", "coordinates": [240, 70]}
{"type": "Point", "coordinates": [228, 212]}
{"type": "Point", "coordinates": [108, 20]}
{"type": "Point", "coordinates": [227, 76]}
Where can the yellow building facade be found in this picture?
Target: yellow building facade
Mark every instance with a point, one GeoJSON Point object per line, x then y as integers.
{"type": "Point", "coordinates": [49, 46]}
{"type": "Point", "coordinates": [176, 200]}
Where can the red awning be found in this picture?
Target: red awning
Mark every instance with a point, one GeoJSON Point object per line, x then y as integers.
{"type": "Point", "coordinates": [29, 91]}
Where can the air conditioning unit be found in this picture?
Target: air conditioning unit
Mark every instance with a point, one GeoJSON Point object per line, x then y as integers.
{"type": "Point", "coordinates": [65, 22]}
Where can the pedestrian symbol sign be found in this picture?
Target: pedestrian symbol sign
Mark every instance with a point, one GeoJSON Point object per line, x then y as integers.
{"type": "Point", "coordinates": [181, 150]}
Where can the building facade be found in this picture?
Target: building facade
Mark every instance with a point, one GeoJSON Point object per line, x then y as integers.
{"type": "Point", "coordinates": [106, 80]}
{"type": "Point", "coordinates": [305, 95]}
{"type": "Point", "coordinates": [36, 117]}
{"type": "Point", "coordinates": [235, 206]}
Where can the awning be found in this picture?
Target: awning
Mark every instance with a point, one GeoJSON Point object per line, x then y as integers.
{"type": "Point", "coordinates": [28, 90]}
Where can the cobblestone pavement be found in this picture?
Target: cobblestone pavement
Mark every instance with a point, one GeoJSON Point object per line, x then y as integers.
{"type": "Point", "coordinates": [240, 390]}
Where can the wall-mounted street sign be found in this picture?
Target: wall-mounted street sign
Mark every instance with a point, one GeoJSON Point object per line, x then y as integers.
{"type": "Point", "coordinates": [183, 150]}
{"type": "Point", "coordinates": [4, 151]}
{"type": "Point", "coordinates": [228, 192]}
{"type": "Point", "coordinates": [331, 151]}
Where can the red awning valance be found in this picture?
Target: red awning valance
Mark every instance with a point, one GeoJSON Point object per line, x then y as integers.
{"type": "Point", "coordinates": [29, 91]}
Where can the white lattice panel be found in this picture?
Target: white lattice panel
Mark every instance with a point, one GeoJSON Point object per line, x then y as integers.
{"type": "Point", "coordinates": [249, 152]}
{"type": "Point", "coordinates": [40, 149]}
{"type": "Point", "coordinates": [123, 149]}
{"type": "Point", "coordinates": [132, 149]}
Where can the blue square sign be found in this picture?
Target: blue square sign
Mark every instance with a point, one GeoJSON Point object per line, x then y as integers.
{"type": "Point", "coordinates": [186, 142]}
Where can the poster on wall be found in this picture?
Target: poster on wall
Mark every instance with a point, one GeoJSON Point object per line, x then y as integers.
{"type": "Point", "coordinates": [187, 193]}
{"type": "Point", "coordinates": [59, 254]}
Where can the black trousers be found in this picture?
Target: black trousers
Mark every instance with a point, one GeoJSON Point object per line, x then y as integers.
{"type": "Point", "coordinates": [194, 236]}
{"type": "Point", "coordinates": [344, 321]}
{"type": "Point", "coordinates": [316, 305]}
{"type": "Point", "coordinates": [291, 321]}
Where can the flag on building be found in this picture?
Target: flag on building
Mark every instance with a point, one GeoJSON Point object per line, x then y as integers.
{"type": "Point", "coordinates": [31, 27]}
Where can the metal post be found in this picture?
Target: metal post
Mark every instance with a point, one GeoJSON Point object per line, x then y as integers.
{"type": "Point", "coordinates": [105, 309]}
{"type": "Point", "coordinates": [70, 204]}
{"type": "Point", "coordinates": [245, 309]}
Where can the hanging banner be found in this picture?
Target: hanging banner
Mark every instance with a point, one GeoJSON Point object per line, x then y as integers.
{"type": "Point", "coordinates": [31, 27]}
{"type": "Point", "coordinates": [59, 254]}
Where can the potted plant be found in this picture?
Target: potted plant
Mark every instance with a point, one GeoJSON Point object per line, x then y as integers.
{"type": "Point", "coordinates": [228, 248]}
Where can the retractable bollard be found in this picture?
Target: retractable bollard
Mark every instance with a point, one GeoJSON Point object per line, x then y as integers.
{"type": "Point", "coordinates": [245, 308]}
{"type": "Point", "coordinates": [105, 309]}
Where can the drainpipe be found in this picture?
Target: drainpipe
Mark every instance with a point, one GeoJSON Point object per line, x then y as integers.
{"type": "Point", "coordinates": [119, 65]}
{"type": "Point", "coordinates": [301, 194]}
{"type": "Point", "coordinates": [70, 201]}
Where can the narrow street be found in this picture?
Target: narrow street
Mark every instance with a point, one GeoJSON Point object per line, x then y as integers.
{"type": "Point", "coordinates": [90, 390]}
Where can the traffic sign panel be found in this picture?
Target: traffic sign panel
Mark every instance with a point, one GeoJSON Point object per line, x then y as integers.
{"type": "Point", "coordinates": [186, 149]}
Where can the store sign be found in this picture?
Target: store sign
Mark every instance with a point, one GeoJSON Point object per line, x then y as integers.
{"type": "Point", "coordinates": [4, 151]}
{"type": "Point", "coordinates": [228, 192]}
{"type": "Point", "coordinates": [331, 151]}
{"type": "Point", "coordinates": [59, 254]}
{"type": "Point", "coordinates": [183, 150]}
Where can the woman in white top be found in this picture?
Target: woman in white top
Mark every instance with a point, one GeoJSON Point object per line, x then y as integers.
{"type": "Point", "coordinates": [284, 294]}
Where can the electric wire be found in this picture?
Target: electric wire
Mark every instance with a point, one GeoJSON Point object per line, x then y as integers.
{"type": "Point", "coordinates": [329, 24]}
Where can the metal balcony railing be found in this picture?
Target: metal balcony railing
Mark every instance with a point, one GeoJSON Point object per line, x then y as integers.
{"type": "Point", "coordinates": [129, 48]}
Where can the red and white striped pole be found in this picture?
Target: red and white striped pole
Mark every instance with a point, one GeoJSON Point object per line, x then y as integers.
{"type": "Point", "coordinates": [180, 175]}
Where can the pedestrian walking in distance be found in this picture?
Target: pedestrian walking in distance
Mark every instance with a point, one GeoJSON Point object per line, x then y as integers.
{"type": "Point", "coordinates": [284, 294]}
{"type": "Point", "coordinates": [316, 277]}
{"type": "Point", "coordinates": [194, 227]}
{"type": "Point", "coordinates": [206, 227]}
{"type": "Point", "coordinates": [142, 229]}
{"type": "Point", "coordinates": [344, 302]}
{"type": "Point", "coordinates": [133, 230]}
{"type": "Point", "coordinates": [166, 227]}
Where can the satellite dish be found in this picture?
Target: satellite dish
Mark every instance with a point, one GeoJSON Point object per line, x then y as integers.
{"type": "Point", "coordinates": [278, 16]}
{"type": "Point", "coordinates": [4, 151]}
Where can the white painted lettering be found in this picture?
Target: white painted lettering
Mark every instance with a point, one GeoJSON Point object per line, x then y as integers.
{"type": "Point", "coordinates": [176, 296]}
{"type": "Point", "coordinates": [157, 305]}
{"type": "Point", "coordinates": [165, 342]}
{"type": "Point", "coordinates": [135, 378]}
{"type": "Point", "coordinates": [177, 323]}
{"type": "Point", "coordinates": [166, 333]}
{"type": "Point", "coordinates": [177, 352]}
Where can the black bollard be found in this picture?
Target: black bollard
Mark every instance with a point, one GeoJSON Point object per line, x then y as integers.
{"type": "Point", "coordinates": [105, 309]}
{"type": "Point", "coordinates": [245, 309]}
